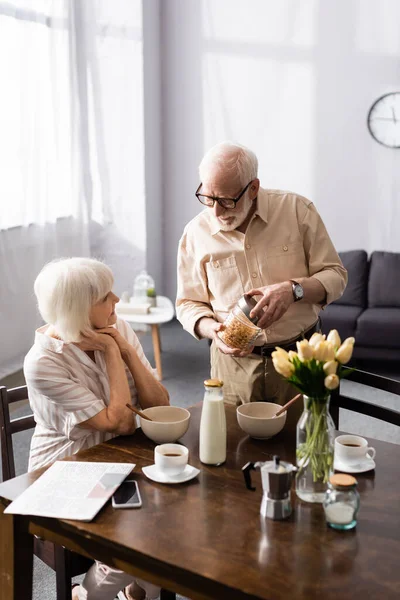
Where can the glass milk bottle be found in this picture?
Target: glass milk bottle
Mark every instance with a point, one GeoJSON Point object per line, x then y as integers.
{"type": "Point", "coordinates": [213, 424]}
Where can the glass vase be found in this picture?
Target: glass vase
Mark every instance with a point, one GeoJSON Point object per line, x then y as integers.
{"type": "Point", "coordinates": [314, 449]}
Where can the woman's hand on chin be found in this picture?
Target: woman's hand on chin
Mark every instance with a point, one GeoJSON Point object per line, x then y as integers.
{"type": "Point", "coordinates": [96, 340]}
{"type": "Point", "coordinates": [114, 334]}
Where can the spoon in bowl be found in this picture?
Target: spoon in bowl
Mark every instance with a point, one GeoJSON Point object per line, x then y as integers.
{"type": "Point", "coordinates": [138, 412]}
{"type": "Point", "coordinates": [285, 406]}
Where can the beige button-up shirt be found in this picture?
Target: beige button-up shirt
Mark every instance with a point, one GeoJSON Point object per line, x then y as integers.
{"type": "Point", "coordinates": [285, 239]}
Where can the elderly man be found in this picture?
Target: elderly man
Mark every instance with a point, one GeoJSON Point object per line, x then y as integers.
{"type": "Point", "coordinates": [267, 243]}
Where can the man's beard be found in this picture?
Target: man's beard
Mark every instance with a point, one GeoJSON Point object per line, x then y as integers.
{"type": "Point", "coordinates": [230, 225]}
{"type": "Point", "coordinates": [235, 220]}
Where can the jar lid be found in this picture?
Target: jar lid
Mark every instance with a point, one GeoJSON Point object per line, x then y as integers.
{"type": "Point", "coordinates": [246, 304]}
{"type": "Point", "coordinates": [342, 480]}
{"type": "Point", "coordinates": [213, 383]}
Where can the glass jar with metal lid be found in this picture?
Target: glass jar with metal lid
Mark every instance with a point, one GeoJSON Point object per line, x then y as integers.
{"type": "Point", "coordinates": [240, 331]}
{"type": "Point", "coordinates": [341, 502]}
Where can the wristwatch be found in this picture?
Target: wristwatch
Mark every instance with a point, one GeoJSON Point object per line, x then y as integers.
{"type": "Point", "coordinates": [297, 289]}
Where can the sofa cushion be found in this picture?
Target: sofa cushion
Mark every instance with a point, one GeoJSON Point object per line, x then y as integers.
{"type": "Point", "coordinates": [356, 263]}
{"type": "Point", "coordinates": [342, 318]}
{"type": "Point", "coordinates": [379, 327]}
{"type": "Point", "coordinates": [384, 280]}
{"type": "Point", "coordinates": [372, 353]}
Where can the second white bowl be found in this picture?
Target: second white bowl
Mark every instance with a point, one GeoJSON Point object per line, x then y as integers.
{"type": "Point", "coordinates": [258, 421]}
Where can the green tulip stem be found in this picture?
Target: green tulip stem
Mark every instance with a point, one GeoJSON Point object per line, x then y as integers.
{"type": "Point", "coordinates": [316, 449]}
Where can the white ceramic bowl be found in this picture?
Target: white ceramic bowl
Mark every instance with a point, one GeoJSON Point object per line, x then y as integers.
{"type": "Point", "coordinates": [258, 421]}
{"type": "Point", "coordinates": [168, 424]}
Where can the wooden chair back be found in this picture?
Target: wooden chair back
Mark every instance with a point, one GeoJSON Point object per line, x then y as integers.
{"type": "Point", "coordinates": [339, 399]}
{"type": "Point", "coordinates": [8, 427]}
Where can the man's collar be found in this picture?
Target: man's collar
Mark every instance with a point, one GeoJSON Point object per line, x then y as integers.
{"type": "Point", "coordinates": [214, 225]}
{"type": "Point", "coordinates": [261, 210]}
{"type": "Point", "coordinates": [262, 204]}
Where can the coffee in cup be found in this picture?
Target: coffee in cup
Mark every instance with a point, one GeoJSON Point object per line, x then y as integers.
{"type": "Point", "coordinates": [352, 449]}
{"type": "Point", "coordinates": [171, 459]}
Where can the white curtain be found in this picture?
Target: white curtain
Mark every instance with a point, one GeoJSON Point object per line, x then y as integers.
{"type": "Point", "coordinates": [71, 144]}
{"type": "Point", "coordinates": [39, 114]}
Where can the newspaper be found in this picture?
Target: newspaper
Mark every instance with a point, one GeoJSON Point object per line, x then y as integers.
{"type": "Point", "coordinates": [71, 490]}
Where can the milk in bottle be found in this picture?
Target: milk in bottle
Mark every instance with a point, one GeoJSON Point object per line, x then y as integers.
{"type": "Point", "coordinates": [213, 424]}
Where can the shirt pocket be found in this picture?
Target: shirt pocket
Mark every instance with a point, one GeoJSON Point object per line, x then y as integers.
{"type": "Point", "coordinates": [286, 261]}
{"type": "Point", "coordinates": [224, 283]}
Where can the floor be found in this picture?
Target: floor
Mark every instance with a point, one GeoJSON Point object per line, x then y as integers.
{"type": "Point", "coordinates": [185, 366]}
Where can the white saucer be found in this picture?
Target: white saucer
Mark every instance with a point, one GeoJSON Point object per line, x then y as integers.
{"type": "Point", "coordinates": [155, 475]}
{"type": "Point", "coordinates": [357, 467]}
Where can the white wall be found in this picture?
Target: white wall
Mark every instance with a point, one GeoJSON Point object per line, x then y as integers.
{"type": "Point", "coordinates": [294, 81]}
{"type": "Point", "coordinates": [153, 132]}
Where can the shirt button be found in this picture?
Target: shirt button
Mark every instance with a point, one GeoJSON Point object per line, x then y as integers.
{"type": "Point", "coordinates": [216, 265]}
{"type": "Point", "coordinates": [254, 275]}
{"type": "Point", "coordinates": [248, 246]}
{"type": "Point", "coordinates": [285, 248]}
{"type": "Point", "coordinates": [268, 331]}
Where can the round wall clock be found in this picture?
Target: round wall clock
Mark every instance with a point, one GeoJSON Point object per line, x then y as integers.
{"type": "Point", "coordinates": [384, 120]}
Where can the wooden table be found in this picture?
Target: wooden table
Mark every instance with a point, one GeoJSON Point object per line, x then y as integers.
{"type": "Point", "coordinates": [206, 540]}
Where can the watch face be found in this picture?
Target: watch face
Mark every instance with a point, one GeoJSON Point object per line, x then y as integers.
{"type": "Point", "coordinates": [299, 292]}
{"type": "Point", "coordinates": [384, 120]}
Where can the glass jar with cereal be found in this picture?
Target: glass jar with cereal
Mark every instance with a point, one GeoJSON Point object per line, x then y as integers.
{"type": "Point", "coordinates": [240, 331]}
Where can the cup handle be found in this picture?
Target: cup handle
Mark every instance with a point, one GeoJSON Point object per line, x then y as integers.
{"type": "Point", "coordinates": [371, 453]}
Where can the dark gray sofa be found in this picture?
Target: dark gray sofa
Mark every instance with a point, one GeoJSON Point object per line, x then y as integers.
{"type": "Point", "coordinates": [369, 309]}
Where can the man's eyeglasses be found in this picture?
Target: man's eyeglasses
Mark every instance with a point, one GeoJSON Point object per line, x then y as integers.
{"type": "Point", "coordinates": [224, 202]}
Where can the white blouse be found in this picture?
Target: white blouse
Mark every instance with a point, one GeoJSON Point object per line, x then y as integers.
{"type": "Point", "coordinates": [66, 388]}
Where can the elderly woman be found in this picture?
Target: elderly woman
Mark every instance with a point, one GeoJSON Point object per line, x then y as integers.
{"type": "Point", "coordinates": [84, 367]}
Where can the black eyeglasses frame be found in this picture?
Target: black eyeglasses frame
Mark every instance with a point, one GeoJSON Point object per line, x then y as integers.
{"type": "Point", "coordinates": [220, 200]}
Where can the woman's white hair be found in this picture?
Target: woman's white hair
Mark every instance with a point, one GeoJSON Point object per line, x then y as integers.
{"type": "Point", "coordinates": [233, 159]}
{"type": "Point", "coordinates": [67, 289]}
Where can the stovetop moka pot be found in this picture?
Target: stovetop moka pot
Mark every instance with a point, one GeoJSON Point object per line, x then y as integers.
{"type": "Point", "coordinates": [276, 477]}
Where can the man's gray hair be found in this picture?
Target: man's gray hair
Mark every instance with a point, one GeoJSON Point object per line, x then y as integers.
{"type": "Point", "coordinates": [67, 289]}
{"type": "Point", "coordinates": [231, 158]}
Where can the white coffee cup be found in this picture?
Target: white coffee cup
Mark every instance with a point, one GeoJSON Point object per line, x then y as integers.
{"type": "Point", "coordinates": [353, 448]}
{"type": "Point", "coordinates": [171, 459]}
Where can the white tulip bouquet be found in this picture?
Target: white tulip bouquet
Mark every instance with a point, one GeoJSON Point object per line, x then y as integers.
{"type": "Point", "coordinates": [315, 370]}
{"type": "Point", "coordinates": [317, 366]}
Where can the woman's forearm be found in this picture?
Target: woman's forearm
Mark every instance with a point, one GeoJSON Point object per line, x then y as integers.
{"type": "Point", "coordinates": [122, 420]}
{"type": "Point", "coordinates": [150, 391]}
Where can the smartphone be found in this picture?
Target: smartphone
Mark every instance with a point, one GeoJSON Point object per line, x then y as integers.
{"type": "Point", "coordinates": [127, 495]}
